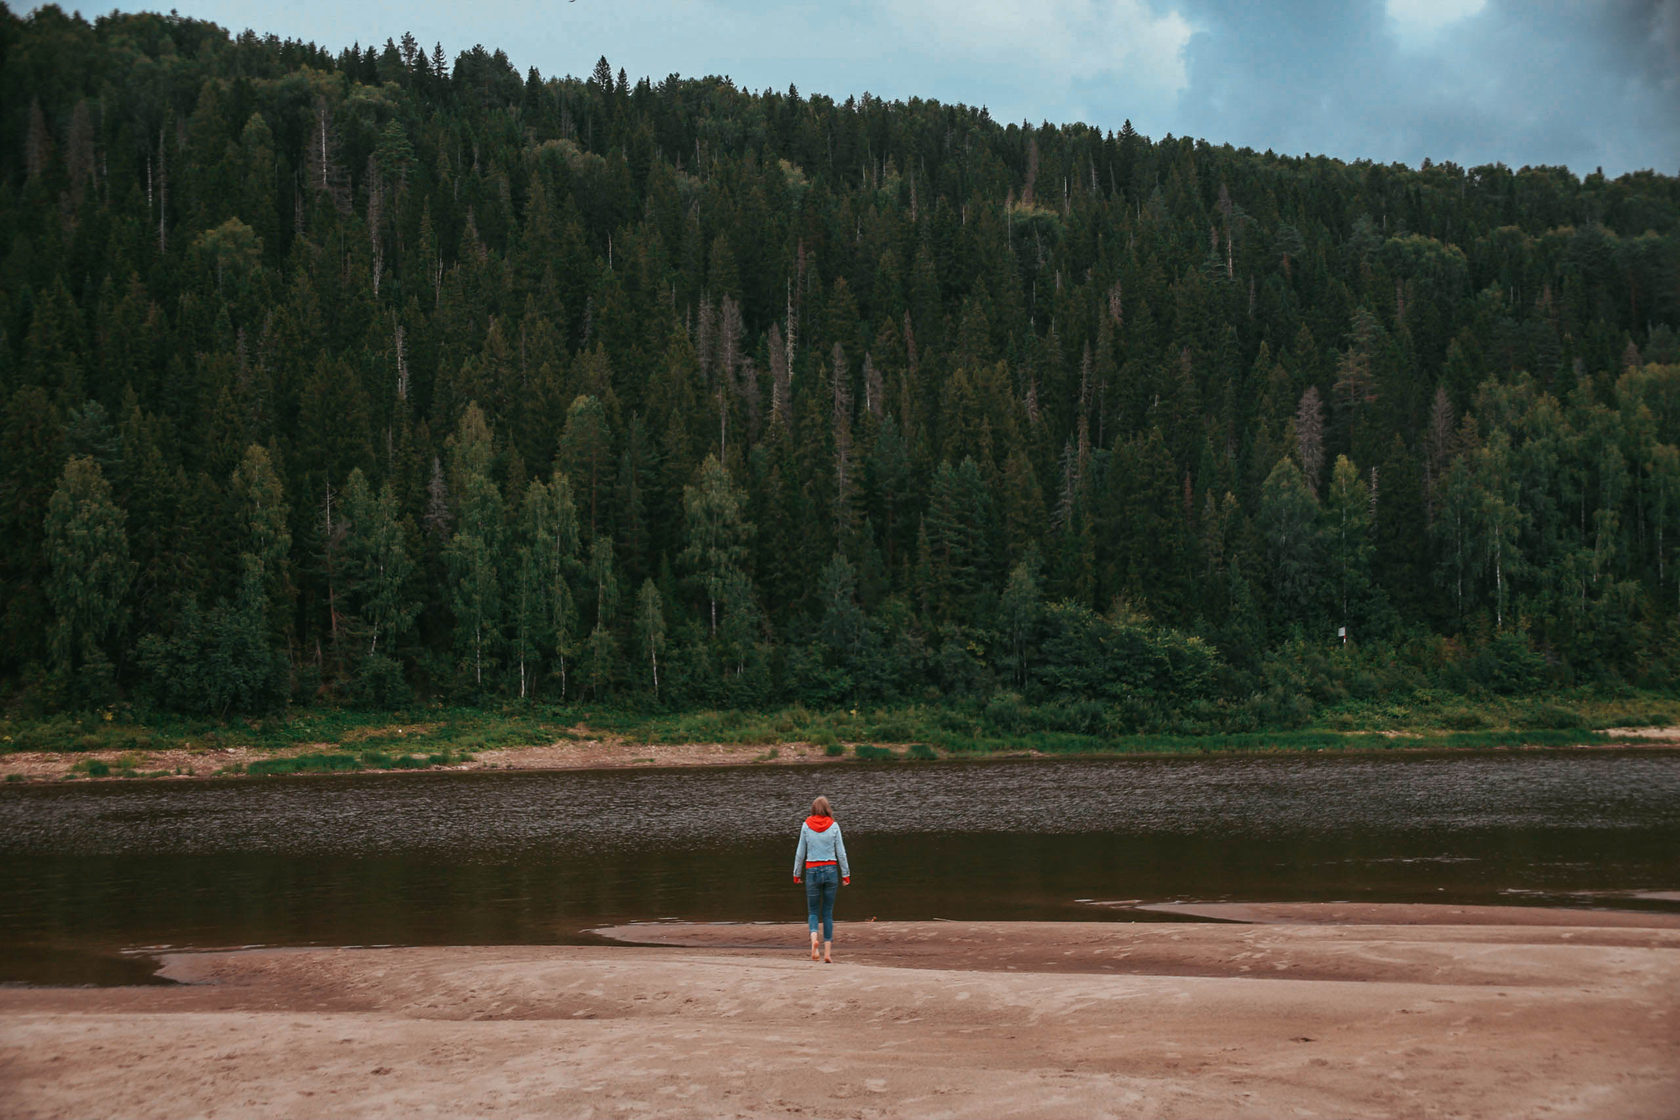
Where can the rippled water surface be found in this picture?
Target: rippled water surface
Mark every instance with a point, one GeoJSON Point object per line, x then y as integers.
{"type": "Point", "coordinates": [508, 857]}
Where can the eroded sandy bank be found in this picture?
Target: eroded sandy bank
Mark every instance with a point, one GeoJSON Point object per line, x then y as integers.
{"type": "Point", "coordinates": [587, 752]}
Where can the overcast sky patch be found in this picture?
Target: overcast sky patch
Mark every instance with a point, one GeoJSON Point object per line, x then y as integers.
{"type": "Point", "coordinates": [1585, 83]}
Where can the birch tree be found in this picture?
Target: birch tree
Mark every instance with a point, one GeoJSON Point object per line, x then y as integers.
{"type": "Point", "coordinates": [650, 628]}
{"type": "Point", "coordinates": [377, 564]}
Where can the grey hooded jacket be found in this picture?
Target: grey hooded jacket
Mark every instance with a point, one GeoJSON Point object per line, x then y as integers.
{"type": "Point", "coordinates": [821, 847]}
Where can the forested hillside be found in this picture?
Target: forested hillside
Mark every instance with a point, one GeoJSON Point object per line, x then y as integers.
{"type": "Point", "coordinates": [380, 374]}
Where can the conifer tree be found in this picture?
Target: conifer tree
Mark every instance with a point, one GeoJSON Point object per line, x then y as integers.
{"type": "Point", "coordinates": [30, 451]}
{"type": "Point", "coordinates": [475, 552]}
{"type": "Point", "coordinates": [88, 582]}
{"type": "Point", "coordinates": [842, 627]}
{"type": "Point", "coordinates": [586, 456]}
{"type": "Point", "coordinates": [554, 539]}
{"type": "Point", "coordinates": [714, 510]}
{"type": "Point", "coordinates": [1289, 524]}
{"type": "Point", "coordinates": [267, 555]}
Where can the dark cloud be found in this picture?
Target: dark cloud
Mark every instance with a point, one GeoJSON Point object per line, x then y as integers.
{"type": "Point", "coordinates": [1520, 82]}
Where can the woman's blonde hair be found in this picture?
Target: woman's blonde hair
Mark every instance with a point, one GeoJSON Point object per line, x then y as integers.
{"type": "Point", "coordinates": [819, 808]}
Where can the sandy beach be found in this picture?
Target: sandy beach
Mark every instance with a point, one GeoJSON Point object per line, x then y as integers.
{"type": "Point", "coordinates": [1282, 1010]}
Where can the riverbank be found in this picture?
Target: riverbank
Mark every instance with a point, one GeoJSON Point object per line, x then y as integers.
{"type": "Point", "coordinates": [1379, 1011]}
{"type": "Point", "coordinates": [579, 753]}
{"type": "Point", "coordinates": [581, 749]}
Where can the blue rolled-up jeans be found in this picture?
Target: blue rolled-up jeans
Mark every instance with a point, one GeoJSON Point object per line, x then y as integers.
{"type": "Point", "coordinates": [821, 885]}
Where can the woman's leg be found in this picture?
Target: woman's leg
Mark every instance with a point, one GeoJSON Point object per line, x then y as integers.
{"type": "Point", "coordinates": [830, 888]}
{"type": "Point", "coordinates": [813, 905]}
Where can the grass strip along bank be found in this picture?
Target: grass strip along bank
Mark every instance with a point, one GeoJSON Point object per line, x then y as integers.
{"type": "Point", "coordinates": [365, 760]}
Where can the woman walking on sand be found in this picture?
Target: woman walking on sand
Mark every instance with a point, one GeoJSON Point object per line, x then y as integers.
{"type": "Point", "coordinates": [821, 861]}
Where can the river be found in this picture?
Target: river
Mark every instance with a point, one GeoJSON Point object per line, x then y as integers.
{"type": "Point", "coordinates": [94, 876]}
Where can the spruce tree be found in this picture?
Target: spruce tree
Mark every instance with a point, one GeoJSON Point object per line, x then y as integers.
{"type": "Point", "coordinates": [475, 555]}
{"type": "Point", "coordinates": [717, 536]}
{"type": "Point", "coordinates": [1289, 520]}
{"type": "Point", "coordinates": [88, 580]}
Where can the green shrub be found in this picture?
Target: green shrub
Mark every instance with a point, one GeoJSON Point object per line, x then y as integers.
{"type": "Point", "coordinates": [834, 750]}
{"type": "Point", "coordinates": [1006, 712]}
{"type": "Point", "coordinates": [868, 753]}
{"type": "Point", "coordinates": [955, 742]}
{"type": "Point", "coordinates": [891, 730]}
{"type": "Point", "coordinates": [1463, 719]}
{"type": "Point", "coordinates": [380, 683]}
{"type": "Point", "coordinates": [218, 660]}
{"type": "Point", "coordinates": [1280, 708]}
{"type": "Point", "coordinates": [59, 733]}
{"type": "Point", "coordinates": [1550, 716]}
{"type": "Point", "coordinates": [922, 751]}
{"type": "Point", "coordinates": [1509, 665]}
{"type": "Point", "coordinates": [1483, 740]}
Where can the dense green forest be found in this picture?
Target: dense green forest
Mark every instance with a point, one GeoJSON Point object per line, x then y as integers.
{"type": "Point", "coordinates": [373, 376]}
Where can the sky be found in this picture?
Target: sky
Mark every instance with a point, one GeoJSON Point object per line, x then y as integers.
{"type": "Point", "coordinates": [1584, 83]}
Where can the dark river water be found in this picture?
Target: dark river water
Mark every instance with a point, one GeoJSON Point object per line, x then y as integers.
{"type": "Point", "coordinates": [89, 873]}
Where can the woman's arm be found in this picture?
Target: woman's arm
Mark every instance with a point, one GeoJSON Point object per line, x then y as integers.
{"type": "Point", "coordinates": [799, 856]}
{"type": "Point", "coordinates": [840, 851]}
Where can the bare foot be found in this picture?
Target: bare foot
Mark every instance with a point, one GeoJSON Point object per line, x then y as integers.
{"type": "Point", "coordinates": [828, 960]}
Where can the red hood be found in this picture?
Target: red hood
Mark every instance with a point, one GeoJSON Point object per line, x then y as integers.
{"type": "Point", "coordinates": [819, 824]}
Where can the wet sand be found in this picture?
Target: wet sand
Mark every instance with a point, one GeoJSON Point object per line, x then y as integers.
{"type": "Point", "coordinates": [1285, 1011]}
